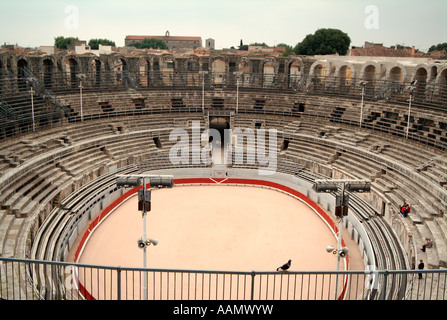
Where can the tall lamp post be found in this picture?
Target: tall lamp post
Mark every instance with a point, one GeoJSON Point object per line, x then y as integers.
{"type": "Point", "coordinates": [31, 91]}
{"type": "Point", "coordinates": [203, 73]}
{"type": "Point", "coordinates": [238, 75]}
{"type": "Point", "coordinates": [363, 84]}
{"type": "Point", "coordinates": [144, 205]}
{"type": "Point", "coordinates": [81, 77]}
{"type": "Point", "coordinates": [341, 210]}
{"type": "Point", "coordinates": [412, 87]}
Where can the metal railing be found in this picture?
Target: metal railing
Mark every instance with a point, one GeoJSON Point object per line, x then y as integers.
{"type": "Point", "coordinates": [23, 279]}
{"type": "Point", "coordinates": [16, 100]}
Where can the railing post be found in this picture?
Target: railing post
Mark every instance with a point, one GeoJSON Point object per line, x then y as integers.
{"type": "Point", "coordinates": [253, 273]}
{"type": "Point", "coordinates": [385, 277]}
{"type": "Point", "coordinates": [118, 284]}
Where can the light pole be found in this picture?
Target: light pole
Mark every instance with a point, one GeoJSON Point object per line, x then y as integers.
{"type": "Point", "coordinates": [203, 73]}
{"type": "Point", "coordinates": [363, 84]}
{"type": "Point", "coordinates": [80, 77]}
{"type": "Point", "coordinates": [409, 110]}
{"type": "Point", "coordinates": [32, 108]}
{"type": "Point", "coordinates": [341, 210]}
{"type": "Point", "coordinates": [238, 74]}
{"type": "Point", "coordinates": [144, 204]}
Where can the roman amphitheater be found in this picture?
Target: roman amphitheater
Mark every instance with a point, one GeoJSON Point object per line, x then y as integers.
{"type": "Point", "coordinates": [70, 125]}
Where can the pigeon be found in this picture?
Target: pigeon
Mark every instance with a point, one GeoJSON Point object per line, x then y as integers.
{"type": "Point", "coordinates": [284, 267]}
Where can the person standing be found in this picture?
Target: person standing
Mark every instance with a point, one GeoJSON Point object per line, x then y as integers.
{"type": "Point", "coordinates": [421, 267]}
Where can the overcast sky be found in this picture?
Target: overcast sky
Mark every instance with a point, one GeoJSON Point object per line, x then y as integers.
{"type": "Point", "coordinates": [31, 23]}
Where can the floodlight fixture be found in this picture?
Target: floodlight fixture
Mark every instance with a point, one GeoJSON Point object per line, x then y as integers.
{"type": "Point", "coordinates": [325, 187]}
{"type": "Point", "coordinates": [162, 181]}
{"type": "Point", "coordinates": [128, 181]}
{"type": "Point", "coordinates": [358, 187]}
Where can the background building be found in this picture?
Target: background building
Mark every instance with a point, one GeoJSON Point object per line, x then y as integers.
{"type": "Point", "coordinates": [177, 43]}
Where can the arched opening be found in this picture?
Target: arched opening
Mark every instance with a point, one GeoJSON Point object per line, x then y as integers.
{"type": "Point", "coordinates": [443, 83]}
{"type": "Point", "coordinates": [72, 71]}
{"type": "Point", "coordinates": [421, 77]}
{"type": "Point", "coordinates": [318, 74]}
{"type": "Point", "coordinates": [156, 72]}
{"type": "Point", "coordinates": [319, 71]}
{"type": "Point", "coordinates": [96, 68]}
{"type": "Point", "coordinates": [396, 74]}
{"type": "Point", "coordinates": [144, 73]}
{"type": "Point", "coordinates": [120, 69]}
{"type": "Point", "coordinates": [294, 73]}
{"type": "Point", "coordinates": [268, 73]}
{"type": "Point", "coordinates": [22, 66]}
{"type": "Point", "coordinates": [369, 73]}
{"type": "Point", "coordinates": [344, 76]}
{"type": "Point", "coordinates": [218, 72]}
{"type": "Point", "coordinates": [48, 73]}
{"type": "Point", "coordinates": [433, 73]}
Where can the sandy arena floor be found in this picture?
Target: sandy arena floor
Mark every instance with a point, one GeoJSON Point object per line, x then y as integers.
{"type": "Point", "coordinates": [229, 228]}
{"type": "Point", "coordinates": [215, 228]}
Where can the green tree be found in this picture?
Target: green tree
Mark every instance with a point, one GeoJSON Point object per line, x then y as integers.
{"type": "Point", "coordinates": [324, 41]}
{"type": "Point", "coordinates": [259, 44]}
{"type": "Point", "coordinates": [288, 50]}
{"type": "Point", "coordinates": [94, 43]}
{"type": "Point", "coordinates": [150, 43]}
{"type": "Point", "coordinates": [62, 42]}
{"type": "Point", "coordinates": [439, 46]}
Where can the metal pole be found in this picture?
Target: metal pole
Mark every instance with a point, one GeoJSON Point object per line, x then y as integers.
{"type": "Point", "coordinates": [340, 225]}
{"type": "Point", "coordinates": [361, 106]}
{"type": "Point", "coordinates": [237, 94]}
{"type": "Point", "coordinates": [80, 88]}
{"type": "Point", "coordinates": [118, 283]}
{"type": "Point", "coordinates": [32, 108]}
{"type": "Point", "coordinates": [144, 241]}
{"type": "Point", "coordinates": [409, 112]}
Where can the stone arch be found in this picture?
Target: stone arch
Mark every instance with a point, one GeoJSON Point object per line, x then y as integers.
{"type": "Point", "coordinates": [72, 69]}
{"type": "Point", "coordinates": [144, 69]}
{"type": "Point", "coordinates": [396, 72]}
{"type": "Point", "coordinates": [433, 73]}
{"type": "Point", "coordinates": [345, 74]}
{"type": "Point", "coordinates": [96, 69]}
{"type": "Point", "coordinates": [369, 71]}
{"type": "Point", "coordinates": [268, 67]}
{"type": "Point", "coordinates": [421, 75]}
{"type": "Point", "coordinates": [48, 67]}
{"type": "Point", "coordinates": [320, 70]}
{"type": "Point", "coordinates": [218, 68]}
{"type": "Point", "coordinates": [295, 67]}
{"type": "Point", "coordinates": [421, 71]}
{"type": "Point", "coordinates": [442, 81]}
{"type": "Point", "coordinates": [294, 72]}
{"type": "Point", "coordinates": [442, 76]}
{"type": "Point", "coordinates": [22, 67]}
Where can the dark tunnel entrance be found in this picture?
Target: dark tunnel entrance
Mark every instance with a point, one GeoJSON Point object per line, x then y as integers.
{"type": "Point", "coordinates": [222, 125]}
